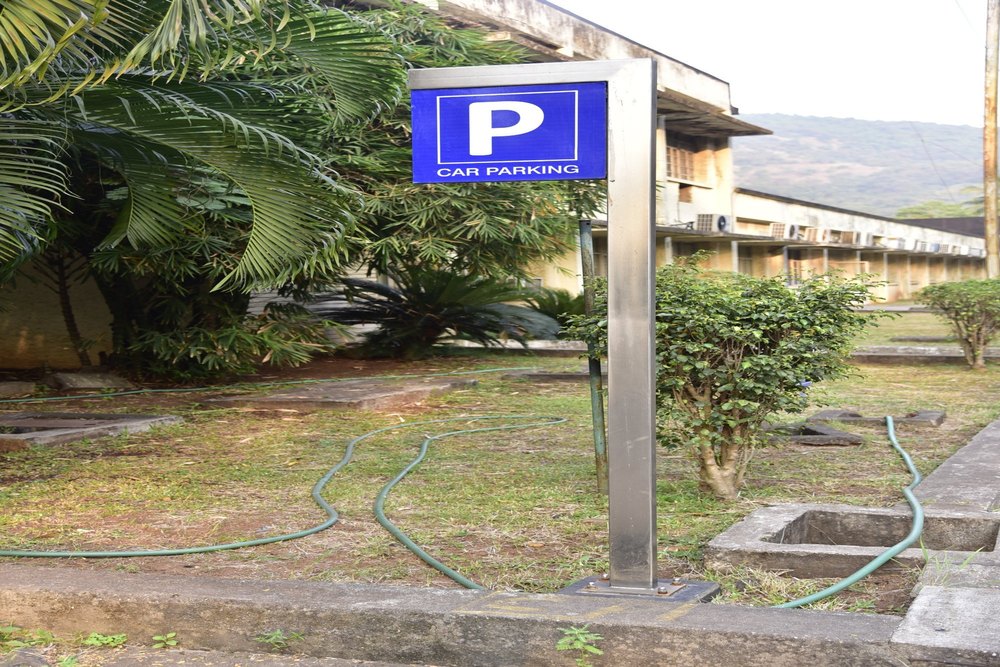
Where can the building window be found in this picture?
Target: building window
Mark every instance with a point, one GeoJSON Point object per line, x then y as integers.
{"type": "Point", "coordinates": [681, 151]}
{"type": "Point", "coordinates": [601, 256]}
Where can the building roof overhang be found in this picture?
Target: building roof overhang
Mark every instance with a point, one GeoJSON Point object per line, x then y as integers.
{"type": "Point", "coordinates": [692, 117]}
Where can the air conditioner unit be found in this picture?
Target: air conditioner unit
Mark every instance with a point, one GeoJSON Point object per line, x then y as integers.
{"type": "Point", "coordinates": [977, 252]}
{"type": "Point", "coordinates": [817, 235]}
{"type": "Point", "coordinates": [780, 230]}
{"type": "Point", "coordinates": [714, 222]}
{"type": "Point", "coordinates": [864, 238]}
{"type": "Point", "coordinates": [964, 250]}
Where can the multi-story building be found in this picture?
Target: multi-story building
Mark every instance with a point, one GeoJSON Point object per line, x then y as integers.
{"type": "Point", "coordinates": [699, 206]}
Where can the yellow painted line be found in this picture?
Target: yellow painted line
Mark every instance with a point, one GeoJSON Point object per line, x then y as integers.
{"type": "Point", "coordinates": [678, 612]}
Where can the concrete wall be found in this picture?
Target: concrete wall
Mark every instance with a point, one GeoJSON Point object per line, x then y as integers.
{"type": "Point", "coordinates": [32, 332]}
{"type": "Point", "coordinates": [563, 273]}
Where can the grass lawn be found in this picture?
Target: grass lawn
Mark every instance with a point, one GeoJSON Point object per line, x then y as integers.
{"type": "Point", "coordinates": [908, 325]}
{"type": "Point", "coordinates": [510, 509]}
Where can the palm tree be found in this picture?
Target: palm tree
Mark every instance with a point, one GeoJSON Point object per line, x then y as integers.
{"type": "Point", "coordinates": [158, 92]}
{"type": "Point", "coordinates": [425, 306]}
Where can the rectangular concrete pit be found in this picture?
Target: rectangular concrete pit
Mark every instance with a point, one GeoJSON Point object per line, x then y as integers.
{"type": "Point", "coordinates": [863, 529]}
{"type": "Point", "coordinates": [835, 540]}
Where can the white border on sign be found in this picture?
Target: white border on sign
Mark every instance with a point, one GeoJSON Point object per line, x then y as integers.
{"type": "Point", "coordinates": [576, 126]}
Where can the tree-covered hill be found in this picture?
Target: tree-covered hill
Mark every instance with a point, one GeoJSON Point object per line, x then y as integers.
{"type": "Point", "coordinates": [872, 166]}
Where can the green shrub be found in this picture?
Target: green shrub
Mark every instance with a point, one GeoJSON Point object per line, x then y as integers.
{"type": "Point", "coordinates": [972, 307]}
{"type": "Point", "coordinates": [733, 349]}
{"type": "Point", "coordinates": [558, 304]}
{"type": "Point", "coordinates": [425, 306]}
{"type": "Point", "coordinates": [283, 335]}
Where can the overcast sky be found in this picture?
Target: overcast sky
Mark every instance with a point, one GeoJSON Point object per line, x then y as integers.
{"type": "Point", "coordinates": [915, 60]}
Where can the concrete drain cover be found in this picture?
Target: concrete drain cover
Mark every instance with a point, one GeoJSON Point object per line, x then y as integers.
{"type": "Point", "coordinates": [924, 417]}
{"type": "Point", "coordinates": [818, 435]}
{"type": "Point", "coordinates": [349, 394]}
{"type": "Point", "coordinates": [18, 430]}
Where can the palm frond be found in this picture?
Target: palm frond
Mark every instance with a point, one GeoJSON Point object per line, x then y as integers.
{"type": "Point", "coordinates": [32, 180]}
{"type": "Point", "coordinates": [295, 207]}
{"type": "Point", "coordinates": [151, 215]}
{"type": "Point", "coordinates": [33, 33]}
{"type": "Point", "coordinates": [358, 65]}
{"type": "Point", "coordinates": [94, 40]}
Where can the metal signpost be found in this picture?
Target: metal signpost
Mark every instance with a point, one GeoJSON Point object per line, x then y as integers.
{"type": "Point", "coordinates": [569, 120]}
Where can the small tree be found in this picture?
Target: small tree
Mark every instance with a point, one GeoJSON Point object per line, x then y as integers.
{"type": "Point", "coordinates": [973, 309]}
{"type": "Point", "coordinates": [733, 349]}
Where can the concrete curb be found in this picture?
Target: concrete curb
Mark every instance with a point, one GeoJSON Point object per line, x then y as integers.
{"type": "Point", "coordinates": [435, 626]}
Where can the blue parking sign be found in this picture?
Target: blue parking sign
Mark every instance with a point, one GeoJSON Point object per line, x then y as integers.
{"type": "Point", "coordinates": [510, 133]}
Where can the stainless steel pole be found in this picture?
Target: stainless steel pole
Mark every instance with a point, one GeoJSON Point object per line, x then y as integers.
{"type": "Point", "coordinates": [631, 347]}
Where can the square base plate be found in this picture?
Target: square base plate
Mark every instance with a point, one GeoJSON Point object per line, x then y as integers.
{"type": "Point", "coordinates": [669, 590]}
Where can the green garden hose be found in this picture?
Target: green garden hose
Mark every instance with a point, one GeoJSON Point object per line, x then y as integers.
{"type": "Point", "coordinates": [892, 552]}
{"type": "Point", "coordinates": [332, 513]}
{"type": "Point", "coordinates": [384, 493]}
{"type": "Point", "coordinates": [379, 506]}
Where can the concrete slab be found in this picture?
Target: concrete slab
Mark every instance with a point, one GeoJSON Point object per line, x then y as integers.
{"type": "Point", "coordinates": [24, 657]}
{"type": "Point", "coordinates": [921, 354]}
{"type": "Point", "coordinates": [88, 381]}
{"type": "Point", "coordinates": [349, 394]}
{"type": "Point", "coordinates": [916, 418]}
{"type": "Point", "coordinates": [666, 590]}
{"type": "Point", "coordinates": [19, 430]}
{"type": "Point", "coordinates": [814, 434]}
{"type": "Point", "coordinates": [969, 479]}
{"type": "Point", "coordinates": [425, 626]}
{"type": "Point", "coordinates": [16, 389]}
{"type": "Point", "coordinates": [961, 571]}
{"type": "Point", "coordinates": [953, 626]}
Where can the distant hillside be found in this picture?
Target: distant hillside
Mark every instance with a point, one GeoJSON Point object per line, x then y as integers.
{"type": "Point", "coordinates": [870, 166]}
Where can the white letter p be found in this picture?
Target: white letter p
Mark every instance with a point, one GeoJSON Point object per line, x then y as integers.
{"type": "Point", "coordinates": [482, 131]}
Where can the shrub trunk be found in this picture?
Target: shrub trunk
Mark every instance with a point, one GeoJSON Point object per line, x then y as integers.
{"type": "Point", "coordinates": [722, 467]}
